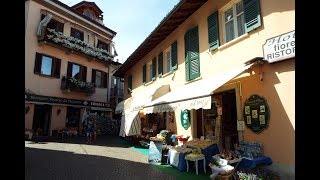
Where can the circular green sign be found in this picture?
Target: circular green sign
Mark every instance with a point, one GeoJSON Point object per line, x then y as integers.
{"type": "Point", "coordinates": [256, 113]}
{"type": "Point", "coordinates": [185, 119]}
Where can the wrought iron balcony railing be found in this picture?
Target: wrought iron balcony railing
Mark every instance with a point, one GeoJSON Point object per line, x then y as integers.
{"type": "Point", "coordinates": [74, 44]}
{"type": "Point", "coordinates": [72, 84]}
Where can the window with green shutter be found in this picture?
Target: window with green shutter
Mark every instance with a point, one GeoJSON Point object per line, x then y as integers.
{"type": "Point", "coordinates": [160, 64]}
{"type": "Point", "coordinates": [252, 14]}
{"type": "Point", "coordinates": [174, 56]}
{"type": "Point", "coordinates": [241, 17]}
{"type": "Point", "coordinates": [213, 31]}
{"type": "Point", "coordinates": [192, 58]}
{"type": "Point", "coordinates": [129, 83]}
{"type": "Point", "coordinates": [144, 74]}
{"type": "Point", "coordinates": [154, 69]}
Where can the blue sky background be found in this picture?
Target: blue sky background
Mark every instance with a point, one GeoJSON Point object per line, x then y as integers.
{"type": "Point", "coordinates": [133, 20]}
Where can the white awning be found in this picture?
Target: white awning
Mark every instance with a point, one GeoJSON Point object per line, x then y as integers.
{"type": "Point", "coordinates": [125, 104]}
{"type": "Point", "coordinates": [130, 124]}
{"type": "Point", "coordinates": [195, 95]}
{"type": "Point", "coordinates": [148, 96]}
{"type": "Point", "coordinates": [130, 108]}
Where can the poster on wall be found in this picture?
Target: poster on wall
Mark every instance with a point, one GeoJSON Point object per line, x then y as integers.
{"type": "Point", "coordinates": [256, 113]}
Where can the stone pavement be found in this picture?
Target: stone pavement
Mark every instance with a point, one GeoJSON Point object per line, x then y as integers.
{"type": "Point", "coordinates": [108, 158]}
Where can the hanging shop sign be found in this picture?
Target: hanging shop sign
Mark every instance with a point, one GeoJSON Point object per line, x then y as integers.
{"type": "Point", "coordinates": [256, 113]}
{"type": "Point", "coordinates": [185, 119]}
{"type": "Point", "coordinates": [57, 100]}
{"type": "Point", "coordinates": [280, 47]}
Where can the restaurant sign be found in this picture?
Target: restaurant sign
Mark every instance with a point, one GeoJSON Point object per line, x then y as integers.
{"type": "Point", "coordinates": [256, 113]}
{"type": "Point", "coordinates": [280, 47]}
{"type": "Point", "coordinates": [185, 119]}
{"type": "Point", "coordinates": [57, 100]}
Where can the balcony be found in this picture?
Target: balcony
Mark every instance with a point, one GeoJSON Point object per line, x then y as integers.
{"type": "Point", "coordinates": [75, 45]}
{"type": "Point", "coordinates": [72, 84]}
{"type": "Point", "coordinates": [116, 92]}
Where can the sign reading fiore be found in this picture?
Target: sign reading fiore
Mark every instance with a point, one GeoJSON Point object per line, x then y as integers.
{"type": "Point", "coordinates": [280, 47]}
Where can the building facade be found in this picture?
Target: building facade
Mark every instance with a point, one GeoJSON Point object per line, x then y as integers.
{"type": "Point", "coordinates": [69, 61]}
{"type": "Point", "coordinates": [240, 54]}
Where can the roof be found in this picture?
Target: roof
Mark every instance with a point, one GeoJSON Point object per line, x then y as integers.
{"type": "Point", "coordinates": [84, 3]}
{"type": "Point", "coordinates": [174, 18]}
{"type": "Point", "coordinates": [83, 16]}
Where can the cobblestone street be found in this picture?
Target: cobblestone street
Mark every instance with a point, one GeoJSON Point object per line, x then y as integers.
{"type": "Point", "coordinates": [108, 158]}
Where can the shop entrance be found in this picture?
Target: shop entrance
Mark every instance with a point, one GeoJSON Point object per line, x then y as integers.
{"type": "Point", "coordinates": [229, 120]}
{"type": "Point", "coordinates": [73, 117]}
{"type": "Point", "coordinates": [41, 119]}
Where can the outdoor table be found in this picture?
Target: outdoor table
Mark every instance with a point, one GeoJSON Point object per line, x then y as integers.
{"type": "Point", "coordinates": [251, 163]}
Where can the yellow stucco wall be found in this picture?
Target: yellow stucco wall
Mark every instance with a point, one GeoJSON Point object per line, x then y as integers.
{"type": "Point", "coordinates": [278, 17]}
{"type": "Point", "coordinates": [51, 86]}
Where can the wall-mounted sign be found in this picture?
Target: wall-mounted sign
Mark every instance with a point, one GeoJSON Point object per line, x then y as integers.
{"type": "Point", "coordinates": [256, 113]}
{"type": "Point", "coordinates": [185, 119]}
{"type": "Point", "coordinates": [57, 100]}
{"type": "Point", "coordinates": [280, 47]}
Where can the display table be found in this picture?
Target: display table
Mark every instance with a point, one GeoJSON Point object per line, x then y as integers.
{"type": "Point", "coordinates": [155, 152]}
{"type": "Point", "coordinates": [208, 148]}
{"type": "Point", "coordinates": [176, 157]}
{"type": "Point", "coordinates": [251, 163]}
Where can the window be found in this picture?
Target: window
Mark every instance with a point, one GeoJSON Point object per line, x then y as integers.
{"type": "Point", "coordinates": [129, 83]}
{"type": "Point", "coordinates": [167, 60]}
{"type": "Point", "coordinates": [54, 24]}
{"type": "Point", "coordinates": [77, 71]}
{"type": "Point", "coordinates": [99, 78]}
{"type": "Point", "coordinates": [144, 74]}
{"type": "Point", "coordinates": [233, 21]}
{"type": "Point", "coordinates": [76, 34]}
{"type": "Point", "coordinates": [150, 71]}
{"type": "Point", "coordinates": [47, 65]}
{"type": "Point", "coordinates": [241, 17]}
{"type": "Point", "coordinates": [160, 64]}
{"type": "Point", "coordinates": [89, 15]}
{"type": "Point", "coordinates": [192, 58]}
{"type": "Point", "coordinates": [103, 45]}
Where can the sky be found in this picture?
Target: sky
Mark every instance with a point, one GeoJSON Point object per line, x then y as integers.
{"type": "Point", "coordinates": [133, 20]}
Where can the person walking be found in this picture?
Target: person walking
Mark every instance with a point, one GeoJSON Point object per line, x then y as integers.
{"type": "Point", "coordinates": [90, 131]}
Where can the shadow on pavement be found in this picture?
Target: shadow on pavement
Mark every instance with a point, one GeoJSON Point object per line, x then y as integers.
{"type": "Point", "coordinates": [43, 164]}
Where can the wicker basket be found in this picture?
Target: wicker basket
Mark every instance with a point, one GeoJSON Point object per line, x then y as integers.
{"type": "Point", "coordinates": [225, 176]}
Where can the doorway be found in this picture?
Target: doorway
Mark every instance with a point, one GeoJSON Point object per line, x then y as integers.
{"type": "Point", "coordinates": [73, 117]}
{"type": "Point", "coordinates": [41, 119]}
{"type": "Point", "coordinates": [229, 120]}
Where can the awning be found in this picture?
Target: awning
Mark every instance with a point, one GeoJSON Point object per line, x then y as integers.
{"type": "Point", "coordinates": [195, 95]}
{"type": "Point", "coordinates": [130, 108]}
{"type": "Point", "coordinates": [100, 109]}
{"type": "Point", "coordinates": [130, 124]}
{"type": "Point", "coordinates": [148, 96]}
{"type": "Point", "coordinates": [125, 104]}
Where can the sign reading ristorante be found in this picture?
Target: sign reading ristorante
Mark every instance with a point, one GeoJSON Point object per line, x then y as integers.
{"type": "Point", "coordinates": [280, 47]}
{"type": "Point", "coordinates": [57, 100]}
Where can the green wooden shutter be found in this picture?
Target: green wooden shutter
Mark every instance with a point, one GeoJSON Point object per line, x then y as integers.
{"type": "Point", "coordinates": [130, 84]}
{"type": "Point", "coordinates": [252, 14]}
{"type": "Point", "coordinates": [186, 54]}
{"type": "Point", "coordinates": [154, 68]}
{"type": "Point", "coordinates": [160, 64]}
{"type": "Point", "coordinates": [193, 57]}
{"type": "Point", "coordinates": [174, 56]}
{"type": "Point", "coordinates": [213, 31]}
{"type": "Point", "coordinates": [144, 74]}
